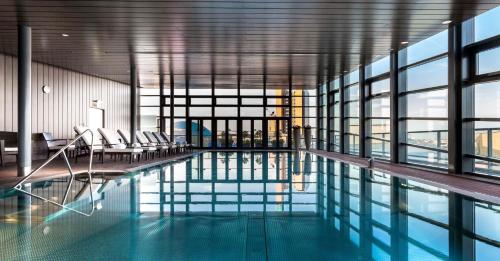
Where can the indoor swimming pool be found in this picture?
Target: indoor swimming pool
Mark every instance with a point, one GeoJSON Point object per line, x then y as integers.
{"type": "Point", "coordinates": [247, 206]}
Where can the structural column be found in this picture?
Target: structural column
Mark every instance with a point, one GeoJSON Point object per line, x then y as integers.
{"type": "Point", "coordinates": [162, 101]}
{"type": "Point", "coordinates": [394, 97]}
{"type": "Point", "coordinates": [133, 102]}
{"type": "Point", "coordinates": [341, 115]}
{"type": "Point", "coordinates": [455, 153]}
{"type": "Point", "coordinates": [24, 101]}
{"type": "Point", "coordinates": [362, 112]}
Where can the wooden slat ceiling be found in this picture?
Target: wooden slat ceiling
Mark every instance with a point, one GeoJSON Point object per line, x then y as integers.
{"type": "Point", "coordinates": [199, 38]}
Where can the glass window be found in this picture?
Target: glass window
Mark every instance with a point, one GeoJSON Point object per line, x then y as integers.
{"type": "Point", "coordinates": [150, 100]}
{"type": "Point", "coordinates": [251, 101]}
{"type": "Point", "coordinates": [486, 25]}
{"type": "Point", "coordinates": [432, 46]}
{"type": "Point", "coordinates": [351, 78]}
{"type": "Point", "coordinates": [381, 86]}
{"type": "Point", "coordinates": [428, 104]}
{"type": "Point", "coordinates": [251, 111]}
{"type": "Point", "coordinates": [226, 111]}
{"type": "Point", "coordinates": [352, 93]}
{"type": "Point", "coordinates": [201, 101]}
{"type": "Point", "coordinates": [200, 111]}
{"type": "Point", "coordinates": [428, 133]}
{"type": "Point", "coordinates": [488, 61]}
{"type": "Point", "coordinates": [179, 111]}
{"type": "Point", "coordinates": [427, 75]}
{"type": "Point", "coordinates": [149, 91]}
{"type": "Point", "coordinates": [199, 92]}
{"type": "Point", "coordinates": [380, 107]}
{"type": "Point", "coordinates": [227, 101]}
{"type": "Point", "coordinates": [487, 100]}
{"type": "Point", "coordinates": [377, 68]}
{"type": "Point", "coordinates": [227, 92]}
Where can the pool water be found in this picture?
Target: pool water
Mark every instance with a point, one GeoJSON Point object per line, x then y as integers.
{"type": "Point", "coordinates": [248, 206]}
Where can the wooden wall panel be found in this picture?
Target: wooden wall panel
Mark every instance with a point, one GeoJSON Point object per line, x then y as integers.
{"type": "Point", "coordinates": [2, 92]}
{"type": "Point", "coordinates": [67, 103]}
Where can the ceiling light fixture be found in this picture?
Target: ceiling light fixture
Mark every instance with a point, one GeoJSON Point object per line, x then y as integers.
{"type": "Point", "coordinates": [65, 35]}
{"type": "Point", "coordinates": [404, 42]}
{"type": "Point", "coordinates": [446, 22]}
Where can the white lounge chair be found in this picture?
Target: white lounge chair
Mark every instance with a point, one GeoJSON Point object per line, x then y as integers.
{"type": "Point", "coordinates": [147, 149]}
{"type": "Point", "coordinates": [162, 149]}
{"type": "Point", "coordinates": [115, 146]}
{"type": "Point", "coordinates": [171, 147]}
{"type": "Point", "coordinates": [178, 147]}
{"type": "Point", "coordinates": [86, 141]}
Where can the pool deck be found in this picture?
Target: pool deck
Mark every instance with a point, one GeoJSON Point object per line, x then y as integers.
{"type": "Point", "coordinates": [475, 187]}
{"type": "Point", "coordinates": [8, 174]}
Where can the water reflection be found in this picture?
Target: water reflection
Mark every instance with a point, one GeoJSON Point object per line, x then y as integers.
{"type": "Point", "coordinates": [347, 211]}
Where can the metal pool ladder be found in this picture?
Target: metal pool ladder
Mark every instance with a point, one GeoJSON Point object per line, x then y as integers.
{"type": "Point", "coordinates": [19, 185]}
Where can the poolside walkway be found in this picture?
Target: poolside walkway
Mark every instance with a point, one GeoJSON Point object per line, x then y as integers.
{"type": "Point", "coordinates": [57, 168]}
{"type": "Point", "coordinates": [475, 187]}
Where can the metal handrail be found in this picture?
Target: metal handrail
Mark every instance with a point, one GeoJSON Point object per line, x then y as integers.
{"type": "Point", "coordinates": [19, 185]}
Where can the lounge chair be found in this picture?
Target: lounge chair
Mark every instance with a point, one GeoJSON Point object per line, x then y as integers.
{"type": "Point", "coordinates": [54, 145]}
{"type": "Point", "coordinates": [144, 141]}
{"type": "Point", "coordinates": [84, 144]}
{"type": "Point", "coordinates": [147, 149]}
{"type": "Point", "coordinates": [187, 145]}
{"type": "Point", "coordinates": [177, 147]}
{"type": "Point", "coordinates": [152, 138]}
{"type": "Point", "coordinates": [115, 146]}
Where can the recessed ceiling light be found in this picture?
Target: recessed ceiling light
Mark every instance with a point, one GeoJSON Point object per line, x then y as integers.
{"type": "Point", "coordinates": [404, 42]}
{"type": "Point", "coordinates": [65, 35]}
{"type": "Point", "coordinates": [447, 22]}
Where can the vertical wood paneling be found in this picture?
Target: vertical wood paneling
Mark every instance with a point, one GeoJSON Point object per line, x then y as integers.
{"type": "Point", "coordinates": [2, 92]}
{"type": "Point", "coordinates": [8, 93]}
{"type": "Point", "coordinates": [34, 100]}
{"type": "Point", "coordinates": [45, 100]}
{"type": "Point", "coordinates": [67, 103]}
{"type": "Point", "coordinates": [40, 95]}
{"type": "Point", "coordinates": [14, 94]}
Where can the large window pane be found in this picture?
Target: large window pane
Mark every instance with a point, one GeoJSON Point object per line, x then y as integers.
{"type": "Point", "coordinates": [376, 68]}
{"type": "Point", "coordinates": [380, 107]}
{"type": "Point", "coordinates": [428, 133]}
{"type": "Point", "coordinates": [427, 75]}
{"type": "Point", "coordinates": [432, 46]}
{"type": "Point", "coordinates": [487, 100]}
{"type": "Point", "coordinates": [381, 86]}
{"type": "Point", "coordinates": [488, 61]}
{"type": "Point", "coordinates": [428, 104]}
{"type": "Point", "coordinates": [486, 25]}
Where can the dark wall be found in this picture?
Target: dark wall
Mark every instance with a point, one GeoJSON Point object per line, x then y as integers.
{"type": "Point", "coordinates": [67, 103]}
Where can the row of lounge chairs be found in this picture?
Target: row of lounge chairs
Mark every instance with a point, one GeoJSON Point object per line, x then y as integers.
{"type": "Point", "coordinates": [117, 143]}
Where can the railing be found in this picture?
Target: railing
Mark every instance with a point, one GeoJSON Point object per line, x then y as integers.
{"type": "Point", "coordinates": [62, 151]}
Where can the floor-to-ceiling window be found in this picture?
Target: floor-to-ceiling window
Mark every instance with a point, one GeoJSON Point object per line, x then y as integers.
{"type": "Point", "coordinates": [255, 109]}
{"type": "Point", "coordinates": [423, 83]}
{"type": "Point", "coordinates": [481, 93]}
{"type": "Point", "coordinates": [335, 121]}
{"type": "Point", "coordinates": [322, 116]}
{"type": "Point", "coordinates": [377, 86]}
{"type": "Point", "coordinates": [304, 104]}
{"type": "Point", "coordinates": [351, 108]}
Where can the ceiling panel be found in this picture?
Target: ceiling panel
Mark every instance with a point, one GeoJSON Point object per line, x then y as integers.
{"type": "Point", "coordinates": [224, 37]}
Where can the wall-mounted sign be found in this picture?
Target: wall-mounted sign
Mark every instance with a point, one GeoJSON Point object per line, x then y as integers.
{"type": "Point", "coordinates": [96, 104]}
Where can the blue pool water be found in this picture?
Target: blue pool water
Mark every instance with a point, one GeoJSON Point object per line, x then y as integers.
{"type": "Point", "coordinates": [248, 206]}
